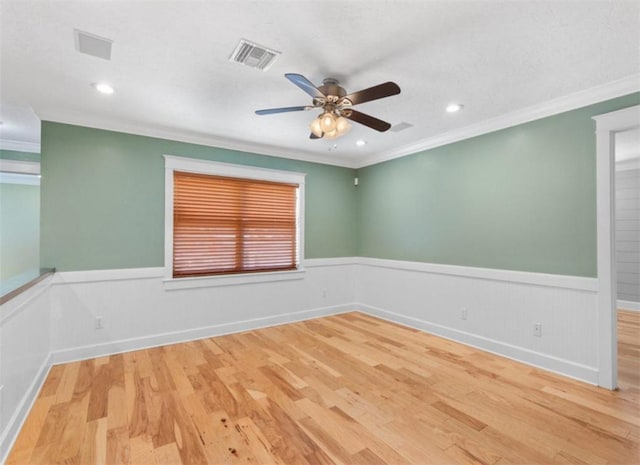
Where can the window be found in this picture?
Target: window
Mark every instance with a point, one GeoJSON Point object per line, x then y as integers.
{"type": "Point", "coordinates": [224, 219]}
{"type": "Point", "coordinates": [230, 225]}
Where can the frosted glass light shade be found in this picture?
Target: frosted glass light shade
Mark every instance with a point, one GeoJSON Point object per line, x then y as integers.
{"type": "Point", "coordinates": [328, 121]}
{"type": "Point", "coordinates": [342, 125]}
{"type": "Point", "coordinates": [331, 134]}
{"type": "Point", "coordinates": [316, 127]}
{"type": "Point", "coordinates": [329, 125]}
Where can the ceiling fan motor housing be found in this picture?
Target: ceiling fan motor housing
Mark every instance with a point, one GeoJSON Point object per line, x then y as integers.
{"type": "Point", "coordinates": [332, 90]}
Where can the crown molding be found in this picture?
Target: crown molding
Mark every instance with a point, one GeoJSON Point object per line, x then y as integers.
{"type": "Point", "coordinates": [19, 166]}
{"type": "Point", "coordinates": [618, 88]}
{"type": "Point", "coordinates": [19, 146]}
{"type": "Point", "coordinates": [130, 127]}
{"type": "Point", "coordinates": [19, 178]}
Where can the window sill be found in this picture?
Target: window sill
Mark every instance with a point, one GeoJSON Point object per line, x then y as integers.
{"type": "Point", "coordinates": [171, 284]}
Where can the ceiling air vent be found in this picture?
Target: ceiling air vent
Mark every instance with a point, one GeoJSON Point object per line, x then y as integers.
{"type": "Point", "coordinates": [92, 44]}
{"type": "Point", "coordinates": [401, 126]}
{"type": "Point", "coordinates": [254, 55]}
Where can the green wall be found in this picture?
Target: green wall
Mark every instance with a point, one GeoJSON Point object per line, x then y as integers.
{"type": "Point", "coordinates": [523, 198]}
{"type": "Point", "coordinates": [20, 156]}
{"type": "Point", "coordinates": [103, 198]}
{"type": "Point", "coordinates": [19, 229]}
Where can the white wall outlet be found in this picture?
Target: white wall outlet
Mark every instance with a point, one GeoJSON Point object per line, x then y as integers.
{"type": "Point", "coordinates": [463, 313]}
{"type": "Point", "coordinates": [99, 322]}
{"type": "Point", "coordinates": [537, 329]}
{"type": "Point", "coordinates": [1, 403]}
{"type": "Point", "coordinates": [324, 293]}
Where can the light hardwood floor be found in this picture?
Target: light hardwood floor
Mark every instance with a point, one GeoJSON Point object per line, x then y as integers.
{"type": "Point", "coordinates": [346, 389]}
{"type": "Point", "coordinates": [629, 351]}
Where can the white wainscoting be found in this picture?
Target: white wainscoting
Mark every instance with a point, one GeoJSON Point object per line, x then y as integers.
{"type": "Point", "coordinates": [138, 311]}
{"type": "Point", "coordinates": [24, 357]}
{"type": "Point", "coordinates": [55, 321]}
{"type": "Point", "coordinates": [502, 307]}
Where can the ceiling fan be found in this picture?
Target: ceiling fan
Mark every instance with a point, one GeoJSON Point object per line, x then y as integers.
{"type": "Point", "coordinates": [337, 106]}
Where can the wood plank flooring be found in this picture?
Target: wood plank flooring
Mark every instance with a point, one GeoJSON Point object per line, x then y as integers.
{"type": "Point", "coordinates": [628, 350]}
{"type": "Point", "coordinates": [347, 389]}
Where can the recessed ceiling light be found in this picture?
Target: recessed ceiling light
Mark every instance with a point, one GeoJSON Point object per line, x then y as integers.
{"type": "Point", "coordinates": [103, 88]}
{"type": "Point", "coordinates": [361, 142]}
{"type": "Point", "coordinates": [453, 107]}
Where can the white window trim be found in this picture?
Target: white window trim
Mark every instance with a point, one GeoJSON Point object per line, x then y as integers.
{"type": "Point", "coordinates": [191, 165]}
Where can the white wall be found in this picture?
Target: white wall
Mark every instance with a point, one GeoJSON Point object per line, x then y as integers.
{"type": "Point", "coordinates": [57, 324]}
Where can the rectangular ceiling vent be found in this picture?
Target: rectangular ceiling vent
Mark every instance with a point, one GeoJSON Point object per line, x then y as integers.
{"type": "Point", "coordinates": [254, 55]}
{"type": "Point", "coordinates": [92, 44]}
{"type": "Point", "coordinates": [401, 126]}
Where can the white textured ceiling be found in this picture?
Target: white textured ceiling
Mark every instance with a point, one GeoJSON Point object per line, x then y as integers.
{"type": "Point", "coordinates": [172, 76]}
{"type": "Point", "coordinates": [20, 126]}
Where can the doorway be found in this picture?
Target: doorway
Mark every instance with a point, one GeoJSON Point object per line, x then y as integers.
{"type": "Point", "coordinates": [627, 254]}
{"type": "Point", "coordinates": [607, 126]}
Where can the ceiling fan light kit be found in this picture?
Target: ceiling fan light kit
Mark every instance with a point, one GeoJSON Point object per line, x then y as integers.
{"type": "Point", "coordinates": [337, 106]}
{"type": "Point", "coordinates": [329, 125]}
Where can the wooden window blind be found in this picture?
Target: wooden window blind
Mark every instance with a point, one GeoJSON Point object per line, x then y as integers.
{"type": "Point", "coordinates": [230, 225]}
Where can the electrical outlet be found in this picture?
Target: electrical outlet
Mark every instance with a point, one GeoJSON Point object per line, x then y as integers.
{"type": "Point", "coordinates": [537, 329]}
{"type": "Point", "coordinates": [463, 313]}
{"type": "Point", "coordinates": [1, 403]}
{"type": "Point", "coordinates": [99, 322]}
{"type": "Point", "coordinates": [324, 293]}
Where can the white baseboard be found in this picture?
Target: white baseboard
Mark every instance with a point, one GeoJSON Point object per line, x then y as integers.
{"type": "Point", "coordinates": [146, 342]}
{"type": "Point", "coordinates": [10, 433]}
{"type": "Point", "coordinates": [628, 305]}
{"type": "Point", "coordinates": [556, 365]}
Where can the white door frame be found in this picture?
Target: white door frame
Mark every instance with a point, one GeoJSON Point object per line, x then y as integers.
{"type": "Point", "coordinates": [606, 127]}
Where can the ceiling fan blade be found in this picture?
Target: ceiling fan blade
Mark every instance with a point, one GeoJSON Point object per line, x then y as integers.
{"type": "Point", "coordinates": [313, 136]}
{"type": "Point", "coordinates": [370, 121]}
{"type": "Point", "coordinates": [271, 111]}
{"type": "Point", "coordinates": [306, 85]}
{"type": "Point", "coordinates": [374, 93]}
